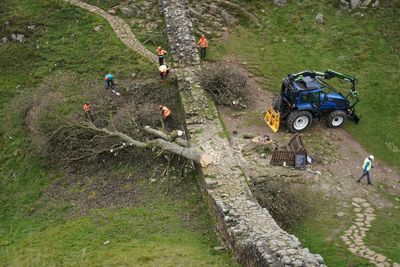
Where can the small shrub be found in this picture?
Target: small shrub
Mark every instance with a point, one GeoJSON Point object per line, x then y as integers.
{"type": "Point", "coordinates": [286, 206]}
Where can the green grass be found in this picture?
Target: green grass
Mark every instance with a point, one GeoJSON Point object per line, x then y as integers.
{"type": "Point", "coordinates": [321, 233]}
{"type": "Point", "coordinates": [151, 39]}
{"type": "Point", "coordinates": [173, 230]}
{"type": "Point", "coordinates": [104, 4]}
{"type": "Point", "coordinates": [22, 66]}
{"type": "Point", "coordinates": [159, 233]}
{"type": "Point", "coordinates": [291, 41]}
{"type": "Point", "coordinates": [381, 238]}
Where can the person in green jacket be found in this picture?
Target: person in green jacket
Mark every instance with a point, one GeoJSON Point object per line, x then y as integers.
{"type": "Point", "coordinates": [366, 169]}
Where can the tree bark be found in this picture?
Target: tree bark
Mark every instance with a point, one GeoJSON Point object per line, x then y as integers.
{"type": "Point", "coordinates": [174, 147]}
{"type": "Point", "coordinates": [172, 137]}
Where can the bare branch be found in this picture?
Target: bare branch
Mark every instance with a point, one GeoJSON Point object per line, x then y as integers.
{"type": "Point", "coordinates": [172, 137]}
{"type": "Point", "coordinates": [189, 153]}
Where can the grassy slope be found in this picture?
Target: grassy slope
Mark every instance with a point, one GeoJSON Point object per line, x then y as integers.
{"type": "Point", "coordinates": [321, 235]}
{"type": "Point", "coordinates": [30, 233]}
{"type": "Point", "coordinates": [383, 237]}
{"type": "Point", "coordinates": [368, 48]}
{"type": "Point", "coordinates": [165, 231]}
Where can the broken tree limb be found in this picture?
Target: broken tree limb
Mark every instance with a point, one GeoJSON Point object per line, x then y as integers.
{"type": "Point", "coordinates": [172, 137]}
{"type": "Point", "coordinates": [190, 153]}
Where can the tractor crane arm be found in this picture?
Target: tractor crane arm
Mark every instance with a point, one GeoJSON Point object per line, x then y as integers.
{"type": "Point", "coordinates": [329, 74]}
{"type": "Point", "coordinates": [312, 74]}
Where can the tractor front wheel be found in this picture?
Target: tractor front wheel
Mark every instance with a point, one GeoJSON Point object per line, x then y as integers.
{"type": "Point", "coordinates": [298, 121]}
{"type": "Point", "coordinates": [336, 118]}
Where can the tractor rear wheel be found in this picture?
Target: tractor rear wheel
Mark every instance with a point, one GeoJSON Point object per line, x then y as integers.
{"type": "Point", "coordinates": [336, 118]}
{"type": "Point", "coordinates": [298, 121]}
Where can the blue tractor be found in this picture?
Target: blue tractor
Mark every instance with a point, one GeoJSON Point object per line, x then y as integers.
{"type": "Point", "coordinates": [307, 95]}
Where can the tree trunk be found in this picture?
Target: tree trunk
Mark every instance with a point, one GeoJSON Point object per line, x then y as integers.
{"type": "Point", "coordinates": [174, 147]}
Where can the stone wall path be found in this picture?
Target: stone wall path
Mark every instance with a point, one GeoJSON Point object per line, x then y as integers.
{"type": "Point", "coordinates": [120, 27]}
{"type": "Point", "coordinates": [247, 228]}
{"type": "Point", "coordinates": [354, 236]}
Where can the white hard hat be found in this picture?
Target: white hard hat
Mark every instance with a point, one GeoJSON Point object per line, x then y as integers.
{"type": "Point", "coordinates": [371, 157]}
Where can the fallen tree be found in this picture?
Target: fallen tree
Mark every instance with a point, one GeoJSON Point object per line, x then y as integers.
{"type": "Point", "coordinates": [166, 142]}
{"type": "Point", "coordinates": [123, 129]}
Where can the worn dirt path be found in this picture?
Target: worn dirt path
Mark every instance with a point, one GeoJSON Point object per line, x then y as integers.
{"type": "Point", "coordinates": [120, 27]}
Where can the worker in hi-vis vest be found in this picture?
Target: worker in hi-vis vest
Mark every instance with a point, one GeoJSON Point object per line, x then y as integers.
{"type": "Point", "coordinates": [161, 54]}
{"type": "Point", "coordinates": [366, 169]}
{"type": "Point", "coordinates": [108, 81]}
{"type": "Point", "coordinates": [87, 111]}
{"type": "Point", "coordinates": [202, 44]}
{"type": "Point", "coordinates": [165, 112]}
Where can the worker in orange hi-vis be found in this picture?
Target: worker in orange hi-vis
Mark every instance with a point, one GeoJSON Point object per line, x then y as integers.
{"type": "Point", "coordinates": [203, 44]}
{"type": "Point", "coordinates": [165, 112]}
{"type": "Point", "coordinates": [161, 53]}
{"type": "Point", "coordinates": [87, 111]}
{"type": "Point", "coordinates": [166, 115]}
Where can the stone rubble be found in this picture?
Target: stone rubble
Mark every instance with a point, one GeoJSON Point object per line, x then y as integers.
{"type": "Point", "coordinates": [18, 37]}
{"type": "Point", "coordinates": [280, 2]}
{"type": "Point", "coordinates": [247, 229]}
{"type": "Point", "coordinates": [355, 4]}
{"type": "Point", "coordinates": [354, 236]}
{"type": "Point", "coordinates": [319, 18]}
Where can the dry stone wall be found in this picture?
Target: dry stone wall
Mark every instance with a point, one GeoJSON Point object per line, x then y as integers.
{"type": "Point", "coordinates": [246, 228]}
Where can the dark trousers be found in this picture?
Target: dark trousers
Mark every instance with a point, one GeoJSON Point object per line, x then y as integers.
{"type": "Point", "coordinates": [202, 52]}
{"type": "Point", "coordinates": [365, 173]}
{"type": "Point", "coordinates": [88, 115]}
{"type": "Point", "coordinates": [166, 123]}
{"type": "Point", "coordinates": [108, 84]}
{"type": "Point", "coordinates": [161, 60]}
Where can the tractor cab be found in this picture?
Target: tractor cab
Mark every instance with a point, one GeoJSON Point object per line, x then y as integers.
{"type": "Point", "coordinates": [317, 97]}
{"type": "Point", "coordinates": [307, 95]}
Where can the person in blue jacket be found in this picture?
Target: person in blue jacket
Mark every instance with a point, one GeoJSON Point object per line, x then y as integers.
{"type": "Point", "coordinates": [367, 165]}
{"type": "Point", "coordinates": [108, 81]}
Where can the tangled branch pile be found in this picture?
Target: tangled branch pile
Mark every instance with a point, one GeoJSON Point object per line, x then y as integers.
{"type": "Point", "coordinates": [226, 85]}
